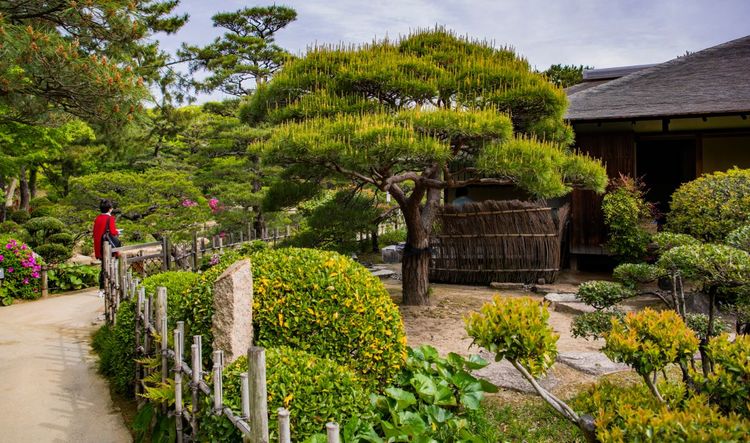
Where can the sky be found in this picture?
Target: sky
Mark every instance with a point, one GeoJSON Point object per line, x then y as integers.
{"type": "Point", "coordinates": [598, 33]}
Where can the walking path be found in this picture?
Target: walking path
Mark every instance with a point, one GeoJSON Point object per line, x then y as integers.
{"type": "Point", "coordinates": [49, 388]}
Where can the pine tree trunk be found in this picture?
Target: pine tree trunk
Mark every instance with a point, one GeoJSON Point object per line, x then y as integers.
{"type": "Point", "coordinates": [24, 191]}
{"type": "Point", "coordinates": [33, 174]}
{"type": "Point", "coordinates": [415, 268]}
{"type": "Point", "coordinates": [375, 236]}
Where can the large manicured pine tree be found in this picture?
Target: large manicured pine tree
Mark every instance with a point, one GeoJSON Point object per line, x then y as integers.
{"type": "Point", "coordinates": [419, 115]}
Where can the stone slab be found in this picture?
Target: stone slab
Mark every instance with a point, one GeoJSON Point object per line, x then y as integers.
{"type": "Point", "coordinates": [232, 325]}
{"type": "Point", "coordinates": [594, 363]}
{"type": "Point", "coordinates": [382, 273]}
{"type": "Point", "coordinates": [503, 375]}
{"type": "Point", "coordinates": [575, 308]}
{"type": "Point", "coordinates": [508, 286]}
{"type": "Point", "coordinates": [554, 297]}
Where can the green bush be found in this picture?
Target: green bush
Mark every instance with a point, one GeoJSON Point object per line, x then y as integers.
{"type": "Point", "coordinates": [328, 305]}
{"type": "Point", "coordinates": [649, 340]}
{"type": "Point", "coordinates": [12, 228]}
{"type": "Point", "coordinates": [711, 206]}
{"type": "Point", "coordinates": [515, 328]}
{"type": "Point", "coordinates": [740, 238]}
{"type": "Point", "coordinates": [54, 252]}
{"type": "Point", "coordinates": [593, 325]}
{"type": "Point", "coordinates": [252, 247]}
{"type": "Point", "coordinates": [392, 238]}
{"type": "Point", "coordinates": [314, 389]}
{"type": "Point", "coordinates": [625, 212]}
{"type": "Point", "coordinates": [49, 239]}
{"type": "Point", "coordinates": [728, 385]}
{"type": "Point", "coordinates": [19, 217]}
{"type": "Point", "coordinates": [115, 346]}
{"type": "Point", "coordinates": [633, 274]}
{"type": "Point", "coordinates": [65, 277]}
{"type": "Point", "coordinates": [62, 238]}
{"type": "Point", "coordinates": [667, 240]}
{"type": "Point", "coordinates": [603, 294]}
{"type": "Point", "coordinates": [699, 324]}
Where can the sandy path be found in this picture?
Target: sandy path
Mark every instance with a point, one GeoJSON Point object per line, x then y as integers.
{"type": "Point", "coordinates": [49, 388]}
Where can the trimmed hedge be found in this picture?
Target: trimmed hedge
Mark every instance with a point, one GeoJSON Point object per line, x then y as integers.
{"type": "Point", "coordinates": [315, 390]}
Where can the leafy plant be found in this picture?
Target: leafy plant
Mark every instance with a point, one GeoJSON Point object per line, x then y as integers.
{"type": "Point", "coordinates": [739, 238]}
{"type": "Point", "coordinates": [593, 325]}
{"type": "Point", "coordinates": [603, 294]}
{"type": "Point", "coordinates": [392, 238]}
{"type": "Point", "coordinates": [711, 206]}
{"type": "Point", "coordinates": [66, 277]}
{"type": "Point", "coordinates": [666, 240]}
{"type": "Point", "coordinates": [633, 274]}
{"type": "Point", "coordinates": [648, 341]}
{"type": "Point", "coordinates": [625, 212]}
{"type": "Point", "coordinates": [699, 324]}
{"type": "Point", "coordinates": [49, 239]}
{"type": "Point", "coordinates": [22, 271]}
{"type": "Point", "coordinates": [728, 385]}
{"type": "Point", "coordinates": [314, 389]}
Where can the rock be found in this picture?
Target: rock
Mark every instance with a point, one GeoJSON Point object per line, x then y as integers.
{"type": "Point", "coordinates": [233, 316]}
{"type": "Point", "coordinates": [382, 273]}
{"type": "Point", "coordinates": [392, 253]}
{"type": "Point", "coordinates": [554, 297]}
{"type": "Point", "coordinates": [594, 363]}
{"type": "Point", "coordinates": [508, 286]}
{"type": "Point", "coordinates": [697, 303]}
{"type": "Point", "coordinates": [503, 375]}
{"type": "Point", "coordinates": [575, 308]}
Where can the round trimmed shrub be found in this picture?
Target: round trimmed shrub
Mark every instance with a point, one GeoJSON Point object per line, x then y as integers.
{"type": "Point", "coordinates": [315, 390]}
{"type": "Point", "coordinates": [61, 238]}
{"type": "Point", "coordinates": [20, 216]}
{"type": "Point", "coordinates": [711, 206]}
{"type": "Point", "coordinates": [327, 304]}
{"type": "Point", "coordinates": [740, 238]}
{"type": "Point", "coordinates": [54, 252]}
{"type": "Point", "coordinates": [603, 294]}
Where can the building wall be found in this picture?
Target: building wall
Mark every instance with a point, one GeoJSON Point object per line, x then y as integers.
{"type": "Point", "coordinates": [723, 152]}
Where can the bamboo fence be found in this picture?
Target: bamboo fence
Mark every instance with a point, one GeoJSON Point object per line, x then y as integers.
{"type": "Point", "coordinates": [497, 241]}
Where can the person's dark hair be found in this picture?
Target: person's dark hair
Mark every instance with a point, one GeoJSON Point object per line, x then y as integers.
{"type": "Point", "coordinates": [105, 205]}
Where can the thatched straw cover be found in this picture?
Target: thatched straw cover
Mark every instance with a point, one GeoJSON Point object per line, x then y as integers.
{"type": "Point", "coordinates": [497, 241]}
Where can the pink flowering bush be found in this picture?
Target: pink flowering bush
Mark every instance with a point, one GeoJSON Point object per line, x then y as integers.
{"type": "Point", "coordinates": [215, 205]}
{"type": "Point", "coordinates": [22, 271]}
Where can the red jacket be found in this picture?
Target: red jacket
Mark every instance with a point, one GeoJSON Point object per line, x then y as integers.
{"type": "Point", "coordinates": [100, 224]}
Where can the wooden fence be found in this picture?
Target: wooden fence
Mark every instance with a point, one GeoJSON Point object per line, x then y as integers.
{"type": "Point", "coordinates": [191, 381]}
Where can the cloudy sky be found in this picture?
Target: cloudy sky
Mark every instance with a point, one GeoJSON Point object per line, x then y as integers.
{"type": "Point", "coordinates": [599, 33]}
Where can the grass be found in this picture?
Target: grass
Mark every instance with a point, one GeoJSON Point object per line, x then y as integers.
{"type": "Point", "coordinates": [525, 419]}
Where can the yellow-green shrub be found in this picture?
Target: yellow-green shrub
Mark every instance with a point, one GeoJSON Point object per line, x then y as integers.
{"type": "Point", "coordinates": [315, 390]}
{"type": "Point", "coordinates": [649, 340]}
{"type": "Point", "coordinates": [515, 328]}
{"type": "Point", "coordinates": [728, 385]}
{"type": "Point", "coordinates": [327, 304]}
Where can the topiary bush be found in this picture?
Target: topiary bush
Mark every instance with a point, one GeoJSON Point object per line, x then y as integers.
{"type": "Point", "coordinates": [314, 389]}
{"type": "Point", "coordinates": [49, 238]}
{"type": "Point", "coordinates": [711, 206]}
{"type": "Point", "coordinates": [603, 294]}
{"type": "Point", "coordinates": [593, 325]}
{"type": "Point", "coordinates": [327, 304]}
{"type": "Point", "coordinates": [728, 385]}
{"type": "Point", "coordinates": [19, 216]}
{"type": "Point", "coordinates": [665, 241]}
{"type": "Point", "coordinates": [739, 238]}
{"type": "Point", "coordinates": [517, 329]}
{"type": "Point", "coordinates": [22, 271]}
{"type": "Point", "coordinates": [633, 274]}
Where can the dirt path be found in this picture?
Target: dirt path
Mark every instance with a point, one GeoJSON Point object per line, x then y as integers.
{"type": "Point", "coordinates": [49, 388]}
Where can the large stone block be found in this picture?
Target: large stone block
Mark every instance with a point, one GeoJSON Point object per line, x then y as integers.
{"type": "Point", "coordinates": [232, 325]}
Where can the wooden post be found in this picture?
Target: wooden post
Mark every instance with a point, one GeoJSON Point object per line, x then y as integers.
{"type": "Point", "coordinates": [221, 244]}
{"type": "Point", "coordinates": [165, 253]}
{"type": "Point", "coordinates": [231, 239]}
{"type": "Point", "coordinates": [195, 251]}
{"type": "Point", "coordinates": [122, 271]}
{"type": "Point", "coordinates": [141, 300]}
{"type": "Point", "coordinates": [332, 429]}
{"type": "Point", "coordinates": [195, 353]}
{"type": "Point", "coordinates": [45, 283]}
{"type": "Point", "coordinates": [250, 231]}
{"type": "Point", "coordinates": [178, 383]}
{"type": "Point", "coordinates": [285, 435]}
{"type": "Point", "coordinates": [218, 388]}
{"type": "Point", "coordinates": [242, 237]}
{"type": "Point", "coordinates": [288, 231]}
{"type": "Point", "coordinates": [275, 235]}
{"type": "Point", "coordinates": [106, 259]}
{"type": "Point", "coordinates": [245, 394]}
{"type": "Point", "coordinates": [164, 348]}
{"type": "Point", "coordinates": [256, 363]}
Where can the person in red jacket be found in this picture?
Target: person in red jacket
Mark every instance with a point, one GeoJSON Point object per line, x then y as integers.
{"type": "Point", "coordinates": [100, 226]}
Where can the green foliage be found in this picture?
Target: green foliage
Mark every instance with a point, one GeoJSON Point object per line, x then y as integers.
{"type": "Point", "coordinates": [64, 277]}
{"type": "Point", "coordinates": [19, 216]}
{"type": "Point", "coordinates": [13, 229]}
{"type": "Point", "coordinates": [630, 414]}
{"type": "Point", "coordinates": [739, 238]}
{"type": "Point", "coordinates": [115, 346]}
{"type": "Point", "coordinates": [625, 212]}
{"type": "Point", "coordinates": [603, 294]}
{"type": "Point", "coordinates": [252, 247]}
{"type": "Point", "coordinates": [711, 206]}
{"type": "Point", "coordinates": [54, 252]}
{"type": "Point", "coordinates": [49, 239]}
{"type": "Point", "coordinates": [326, 304]}
{"type": "Point", "coordinates": [728, 385]}
{"type": "Point", "coordinates": [61, 238]}
{"type": "Point", "coordinates": [178, 283]}
{"type": "Point", "coordinates": [314, 389]}
{"type": "Point", "coordinates": [515, 328]}
{"type": "Point", "coordinates": [22, 271]}
{"type": "Point", "coordinates": [593, 325]}
{"type": "Point", "coordinates": [699, 324]}
{"type": "Point", "coordinates": [713, 265]}
{"type": "Point", "coordinates": [649, 340]}
{"type": "Point", "coordinates": [392, 238]}
{"type": "Point", "coordinates": [667, 240]}
{"type": "Point", "coordinates": [634, 274]}
{"type": "Point", "coordinates": [565, 75]}
{"type": "Point", "coordinates": [432, 398]}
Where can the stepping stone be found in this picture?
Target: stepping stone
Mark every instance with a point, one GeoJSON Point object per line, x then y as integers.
{"type": "Point", "coordinates": [554, 297]}
{"type": "Point", "coordinates": [575, 308]}
{"type": "Point", "coordinates": [503, 375]}
{"type": "Point", "coordinates": [508, 286]}
{"type": "Point", "coordinates": [382, 273]}
{"type": "Point", "coordinates": [594, 363]}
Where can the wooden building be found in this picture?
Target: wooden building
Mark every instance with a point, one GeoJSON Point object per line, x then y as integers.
{"type": "Point", "coordinates": [667, 123]}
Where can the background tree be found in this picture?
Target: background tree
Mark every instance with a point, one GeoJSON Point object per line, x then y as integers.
{"type": "Point", "coordinates": [416, 116]}
{"type": "Point", "coordinates": [566, 75]}
{"type": "Point", "coordinates": [246, 54]}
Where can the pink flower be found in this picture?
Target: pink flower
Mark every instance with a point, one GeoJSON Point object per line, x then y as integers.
{"type": "Point", "coordinates": [214, 259]}
{"type": "Point", "coordinates": [23, 246]}
{"type": "Point", "coordinates": [26, 281]}
{"type": "Point", "coordinates": [10, 270]}
{"type": "Point", "coordinates": [189, 203]}
{"type": "Point", "coordinates": [214, 204]}
{"type": "Point", "coordinates": [1, 257]}
{"type": "Point", "coordinates": [9, 246]}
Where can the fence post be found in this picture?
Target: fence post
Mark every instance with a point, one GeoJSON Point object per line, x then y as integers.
{"type": "Point", "coordinates": [245, 394]}
{"type": "Point", "coordinates": [218, 388]}
{"type": "Point", "coordinates": [106, 259]}
{"type": "Point", "coordinates": [122, 266]}
{"type": "Point", "coordinates": [178, 383]}
{"type": "Point", "coordinates": [275, 235]}
{"type": "Point", "coordinates": [288, 231]}
{"type": "Point", "coordinates": [250, 231]}
{"type": "Point", "coordinates": [221, 244]}
{"type": "Point", "coordinates": [285, 435]}
{"type": "Point", "coordinates": [195, 251]}
{"type": "Point", "coordinates": [141, 300]}
{"type": "Point", "coordinates": [195, 352]}
{"type": "Point", "coordinates": [161, 327]}
{"type": "Point", "coordinates": [45, 282]}
{"type": "Point", "coordinates": [256, 363]}
{"type": "Point", "coordinates": [165, 253]}
{"type": "Point", "coordinates": [333, 432]}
